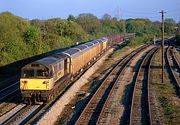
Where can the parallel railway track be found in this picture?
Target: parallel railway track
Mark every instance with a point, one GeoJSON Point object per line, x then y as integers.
{"type": "Point", "coordinates": [22, 115]}
{"type": "Point", "coordinates": [173, 66]}
{"type": "Point", "coordinates": [91, 113]}
{"type": "Point", "coordinates": [153, 115]}
{"type": "Point", "coordinates": [176, 56]}
{"type": "Point", "coordinates": [7, 96]}
{"type": "Point", "coordinates": [140, 113]}
{"type": "Point", "coordinates": [105, 110]}
{"type": "Point", "coordinates": [10, 90]}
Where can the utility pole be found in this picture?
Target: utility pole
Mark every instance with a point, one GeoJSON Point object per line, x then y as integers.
{"type": "Point", "coordinates": [162, 12]}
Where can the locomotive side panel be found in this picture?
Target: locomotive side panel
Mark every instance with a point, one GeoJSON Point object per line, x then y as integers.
{"type": "Point", "coordinates": [58, 70]}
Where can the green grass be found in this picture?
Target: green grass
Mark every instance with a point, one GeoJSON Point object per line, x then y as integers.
{"type": "Point", "coordinates": [120, 52]}
{"type": "Point", "coordinates": [167, 99]}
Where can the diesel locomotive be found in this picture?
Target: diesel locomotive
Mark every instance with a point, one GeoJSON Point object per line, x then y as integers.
{"type": "Point", "coordinates": [43, 79]}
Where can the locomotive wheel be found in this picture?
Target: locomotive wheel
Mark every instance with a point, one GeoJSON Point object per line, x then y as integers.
{"type": "Point", "coordinates": [51, 98]}
{"type": "Point", "coordinates": [72, 78]}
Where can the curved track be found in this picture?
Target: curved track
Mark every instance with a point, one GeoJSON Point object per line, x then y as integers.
{"type": "Point", "coordinates": [92, 110]}
{"type": "Point", "coordinates": [151, 105]}
{"type": "Point", "coordinates": [176, 56]}
{"type": "Point", "coordinates": [140, 111]}
{"type": "Point", "coordinates": [173, 67]}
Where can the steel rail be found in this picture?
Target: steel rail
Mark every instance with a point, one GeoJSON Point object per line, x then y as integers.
{"type": "Point", "coordinates": [13, 115]}
{"type": "Point", "coordinates": [109, 96]}
{"type": "Point", "coordinates": [102, 87]}
{"type": "Point", "coordinates": [136, 105]}
{"type": "Point", "coordinates": [23, 115]}
{"type": "Point", "coordinates": [2, 90]}
{"type": "Point", "coordinates": [149, 95]}
{"type": "Point", "coordinates": [176, 58]}
{"type": "Point", "coordinates": [7, 91]}
{"type": "Point", "coordinates": [170, 67]}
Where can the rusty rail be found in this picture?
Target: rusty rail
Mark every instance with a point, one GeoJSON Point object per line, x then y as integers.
{"type": "Point", "coordinates": [170, 57]}
{"type": "Point", "coordinates": [95, 105]}
{"type": "Point", "coordinates": [140, 112]}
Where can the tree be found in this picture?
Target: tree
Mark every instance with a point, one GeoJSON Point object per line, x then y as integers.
{"type": "Point", "coordinates": [169, 26]}
{"type": "Point", "coordinates": [89, 22]}
{"type": "Point", "coordinates": [156, 26]}
{"type": "Point", "coordinates": [106, 16]}
{"type": "Point", "coordinates": [122, 26]}
{"type": "Point", "coordinates": [33, 39]}
{"type": "Point", "coordinates": [12, 47]}
{"type": "Point", "coordinates": [71, 18]}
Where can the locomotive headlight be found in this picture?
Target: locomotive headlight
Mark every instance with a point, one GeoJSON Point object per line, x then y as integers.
{"type": "Point", "coordinates": [47, 84]}
{"type": "Point", "coordinates": [23, 84]}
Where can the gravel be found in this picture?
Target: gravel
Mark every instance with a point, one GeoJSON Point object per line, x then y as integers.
{"type": "Point", "coordinates": [11, 113]}
{"type": "Point", "coordinates": [119, 99]}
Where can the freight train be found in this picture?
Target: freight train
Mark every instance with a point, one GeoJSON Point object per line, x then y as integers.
{"type": "Point", "coordinates": [43, 79]}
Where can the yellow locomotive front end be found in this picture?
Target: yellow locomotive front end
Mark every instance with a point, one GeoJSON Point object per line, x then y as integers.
{"type": "Point", "coordinates": [35, 79]}
{"type": "Point", "coordinates": [35, 83]}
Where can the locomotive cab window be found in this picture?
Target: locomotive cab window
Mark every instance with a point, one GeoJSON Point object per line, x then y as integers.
{"type": "Point", "coordinates": [42, 73]}
{"type": "Point", "coordinates": [28, 73]}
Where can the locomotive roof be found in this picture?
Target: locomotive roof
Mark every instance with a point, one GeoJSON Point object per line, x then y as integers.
{"type": "Point", "coordinates": [49, 61]}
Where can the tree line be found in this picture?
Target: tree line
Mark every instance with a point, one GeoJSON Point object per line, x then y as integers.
{"type": "Point", "coordinates": [21, 38]}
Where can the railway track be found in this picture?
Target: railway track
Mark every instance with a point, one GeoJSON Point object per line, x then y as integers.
{"type": "Point", "coordinates": [10, 90]}
{"type": "Point", "coordinates": [176, 56]}
{"type": "Point", "coordinates": [8, 116]}
{"type": "Point", "coordinates": [93, 109]}
{"type": "Point", "coordinates": [106, 108]}
{"type": "Point", "coordinates": [173, 67]}
{"type": "Point", "coordinates": [22, 114]}
{"type": "Point", "coordinates": [140, 110]}
{"type": "Point", "coordinates": [152, 105]}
